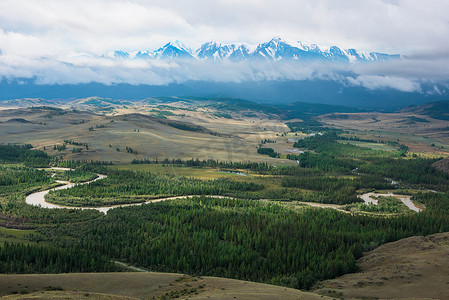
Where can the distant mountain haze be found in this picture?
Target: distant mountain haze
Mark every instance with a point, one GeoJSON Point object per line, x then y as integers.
{"type": "Point", "coordinates": [269, 92]}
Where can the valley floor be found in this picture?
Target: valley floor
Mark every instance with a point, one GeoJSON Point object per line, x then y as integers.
{"type": "Point", "coordinates": [229, 156]}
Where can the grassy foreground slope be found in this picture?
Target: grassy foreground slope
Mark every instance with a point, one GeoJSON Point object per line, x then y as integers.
{"type": "Point", "coordinates": [415, 267]}
{"type": "Point", "coordinates": [140, 286]}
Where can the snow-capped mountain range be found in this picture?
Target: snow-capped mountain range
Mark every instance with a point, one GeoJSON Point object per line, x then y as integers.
{"type": "Point", "coordinates": [276, 49]}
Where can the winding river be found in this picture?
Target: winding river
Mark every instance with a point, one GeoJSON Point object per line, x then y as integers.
{"type": "Point", "coordinates": [406, 199]}
{"type": "Point", "coordinates": [38, 198]}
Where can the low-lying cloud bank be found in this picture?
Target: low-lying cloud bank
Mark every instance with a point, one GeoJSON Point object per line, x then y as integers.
{"type": "Point", "coordinates": [405, 75]}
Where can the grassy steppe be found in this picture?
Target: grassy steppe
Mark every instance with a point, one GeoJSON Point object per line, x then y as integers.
{"type": "Point", "coordinates": [110, 138]}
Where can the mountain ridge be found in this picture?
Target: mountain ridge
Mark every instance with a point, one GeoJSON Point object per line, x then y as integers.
{"type": "Point", "coordinates": [274, 50]}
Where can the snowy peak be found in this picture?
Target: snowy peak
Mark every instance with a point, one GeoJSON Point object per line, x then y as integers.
{"type": "Point", "coordinates": [311, 47]}
{"type": "Point", "coordinates": [178, 45]}
{"type": "Point", "coordinates": [215, 51]}
{"type": "Point", "coordinates": [336, 54]}
{"type": "Point", "coordinates": [173, 50]}
{"type": "Point", "coordinates": [274, 50]}
{"type": "Point", "coordinates": [275, 43]}
{"type": "Point", "coordinates": [241, 53]}
{"type": "Point", "coordinates": [144, 55]}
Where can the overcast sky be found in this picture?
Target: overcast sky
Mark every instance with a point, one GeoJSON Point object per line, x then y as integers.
{"type": "Point", "coordinates": [36, 37]}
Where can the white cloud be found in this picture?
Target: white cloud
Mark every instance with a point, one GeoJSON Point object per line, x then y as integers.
{"type": "Point", "coordinates": [42, 38]}
{"type": "Point", "coordinates": [100, 25]}
{"type": "Point", "coordinates": [374, 82]}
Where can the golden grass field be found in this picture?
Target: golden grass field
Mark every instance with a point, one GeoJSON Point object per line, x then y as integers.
{"type": "Point", "coordinates": [108, 136]}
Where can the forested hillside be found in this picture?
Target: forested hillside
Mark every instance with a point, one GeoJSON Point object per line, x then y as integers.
{"type": "Point", "coordinates": [244, 239]}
